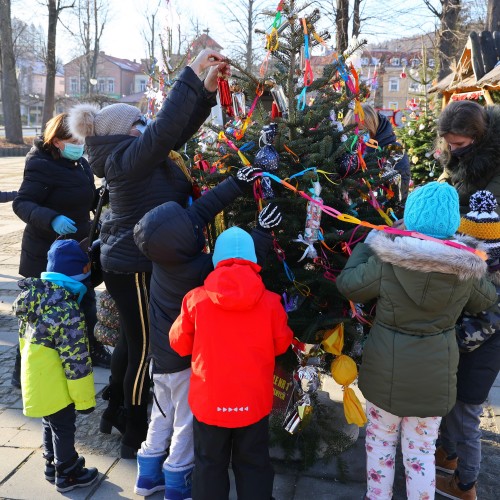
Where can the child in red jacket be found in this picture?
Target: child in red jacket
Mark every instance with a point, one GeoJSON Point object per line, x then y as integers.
{"type": "Point", "coordinates": [233, 328]}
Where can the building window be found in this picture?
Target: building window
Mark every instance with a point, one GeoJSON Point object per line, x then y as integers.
{"type": "Point", "coordinates": [404, 61]}
{"type": "Point", "coordinates": [73, 85]}
{"type": "Point", "coordinates": [393, 84]}
{"type": "Point", "coordinates": [365, 61]}
{"type": "Point", "coordinates": [415, 63]}
{"type": "Point", "coordinates": [393, 105]}
{"type": "Point", "coordinates": [83, 86]}
{"type": "Point", "coordinates": [395, 61]}
{"type": "Point", "coordinates": [111, 86]}
{"type": "Point", "coordinates": [142, 85]}
{"type": "Point", "coordinates": [431, 63]}
{"type": "Point", "coordinates": [101, 86]}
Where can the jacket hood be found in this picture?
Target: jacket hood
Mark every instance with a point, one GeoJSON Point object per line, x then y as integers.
{"type": "Point", "coordinates": [407, 255]}
{"type": "Point", "coordinates": [37, 294]}
{"type": "Point", "coordinates": [170, 223]}
{"type": "Point", "coordinates": [385, 133]}
{"type": "Point", "coordinates": [99, 148]}
{"type": "Point", "coordinates": [476, 169]}
{"type": "Point", "coordinates": [235, 285]}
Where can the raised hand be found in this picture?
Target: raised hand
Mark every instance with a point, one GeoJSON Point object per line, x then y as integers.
{"type": "Point", "coordinates": [270, 216]}
{"type": "Point", "coordinates": [206, 59]}
{"type": "Point", "coordinates": [223, 69]}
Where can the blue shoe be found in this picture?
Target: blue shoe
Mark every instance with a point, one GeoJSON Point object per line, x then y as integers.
{"type": "Point", "coordinates": [178, 482]}
{"type": "Point", "coordinates": [149, 474]}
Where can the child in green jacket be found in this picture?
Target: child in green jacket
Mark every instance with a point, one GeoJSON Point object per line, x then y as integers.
{"type": "Point", "coordinates": [56, 370]}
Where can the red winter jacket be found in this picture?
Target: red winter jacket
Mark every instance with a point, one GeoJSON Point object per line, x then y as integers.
{"type": "Point", "coordinates": [234, 328]}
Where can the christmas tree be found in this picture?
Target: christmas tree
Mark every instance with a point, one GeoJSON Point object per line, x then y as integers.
{"type": "Point", "coordinates": [418, 136]}
{"type": "Point", "coordinates": [330, 183]}
{"type": "Point", "coordinates": [326, 180]}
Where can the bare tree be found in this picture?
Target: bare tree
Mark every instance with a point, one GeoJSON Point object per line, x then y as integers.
{"type": "Point", "coordinates": [10, 89]}
{"type": "Point", "coordinates": [447, 34]}
{"type": "Point", "coordinates": [150, 34]}
{"type": "Point", "coordinates": [356, 18]}
{"type": "Point", "coordinates": [92, 16]}
{"type": "Point", "coordinates": [493, 16]}
{"type": "Point", "coordinates": [54, 7]}
{"type": "Point", "coordinates": [342, 25]}
{"type": "Point", "coordinates": [245, 16]}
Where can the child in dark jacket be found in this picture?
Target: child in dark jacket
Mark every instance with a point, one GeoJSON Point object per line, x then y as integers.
{"type": "Point", "coordinates": [172, 237]}
{"type": "Point", "coordinates": [410, 358]}
{"type": "Point", "coordinates": [56, 370]}
{"type": "Point", "coordinates": [233, 328]}
{"type": "Point", "coordinates": [478, 337]}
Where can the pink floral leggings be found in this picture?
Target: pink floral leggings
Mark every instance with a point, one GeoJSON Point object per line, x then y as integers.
{"type": "Point", "coordinates": [418, 443]}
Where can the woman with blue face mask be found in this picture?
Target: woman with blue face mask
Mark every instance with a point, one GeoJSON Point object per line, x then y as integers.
{"type": "Point", "coordinates": [55, 199]}
{"type": "Point", "coordinates": [469, 147]}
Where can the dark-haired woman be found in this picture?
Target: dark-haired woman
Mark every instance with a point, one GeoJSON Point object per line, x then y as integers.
{"type": "Point", "coordinates": [55, 199]}
{"type": "Point", "coordinates": [470, 149]}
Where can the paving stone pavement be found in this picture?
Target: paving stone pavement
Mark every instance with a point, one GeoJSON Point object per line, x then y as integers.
{"type": "Point", "coordinates": [21, 463]}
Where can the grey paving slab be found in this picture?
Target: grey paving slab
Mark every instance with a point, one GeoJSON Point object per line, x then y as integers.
{"type": "Point", "coordinates": [119, 482]}
{"type": "Point", "coordinates": [320, 489]}
{"type": "Point", "coordinates": [13, 418]}
{"type": "Point", "coordinates": [6, 434]}
{"type": "Point", "coordinates": [12, 458]}
{"type": "Point", "coordinates": [29, 483]}
{"type": "Point", "coordinates": [26, 439]}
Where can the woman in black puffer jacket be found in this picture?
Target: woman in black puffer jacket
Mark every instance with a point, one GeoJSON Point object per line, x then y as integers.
{"type": "Point", "coordinates": [142, 170]}
{"type": "Point", "coordinates": [56, 197]}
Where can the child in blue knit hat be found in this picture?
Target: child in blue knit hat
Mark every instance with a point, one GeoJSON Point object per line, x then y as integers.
{"type": "Point", "coordinates": [410, 358]}
{"type": "Point", "coordinates": [56, 370]}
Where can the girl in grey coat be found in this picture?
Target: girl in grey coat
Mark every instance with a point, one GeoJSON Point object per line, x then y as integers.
{"type": "Point", "coordinates": [408, 372]}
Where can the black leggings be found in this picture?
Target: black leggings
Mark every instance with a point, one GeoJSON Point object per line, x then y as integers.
{"type": "Point", "coordinates": [129, 370]}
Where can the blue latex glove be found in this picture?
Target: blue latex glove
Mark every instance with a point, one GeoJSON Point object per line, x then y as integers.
{"type": "Point", "coordinates": [63, 225]}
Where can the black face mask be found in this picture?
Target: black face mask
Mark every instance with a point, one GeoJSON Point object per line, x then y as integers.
{"type": "Point", "coordinates": [459, 152]}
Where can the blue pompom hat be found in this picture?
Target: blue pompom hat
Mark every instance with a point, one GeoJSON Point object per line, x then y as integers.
{"type": "Point", "coordinates": [67, 257]}
{"type": "Point", "coordinates": [234, 243]}
{"type": "Point", "coordinates": [433, 210]}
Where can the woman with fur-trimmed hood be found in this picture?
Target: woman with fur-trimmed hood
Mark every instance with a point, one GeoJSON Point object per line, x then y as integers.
{"type": "Point", "coordinates": [409, 365]}
{"type": "Point", "coordinates": [470, 149]}
{"type": "Point", "coordinates": [142, 170]}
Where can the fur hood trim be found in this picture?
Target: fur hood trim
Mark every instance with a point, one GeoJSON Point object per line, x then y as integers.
{"type": "Point", "coordinates": [81, 120]}
{"type": "Point", "coordinates": [426, 256]}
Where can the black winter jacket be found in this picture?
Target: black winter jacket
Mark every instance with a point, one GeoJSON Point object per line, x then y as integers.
{"type": "Point", "coordinates": [50, 188]}
{"type": "Point", "coordinates": [140, 175]}
{"type": "Point", "coordinates": [479, 363]}
{"type": "Point", "coordinates": [172, 237]}
{"type": "Point", "coordinates": [6, 196]}
{"type": "Point", "coordinates": [385, 136]}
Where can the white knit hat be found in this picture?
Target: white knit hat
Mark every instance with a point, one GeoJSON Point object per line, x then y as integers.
{"type": "Point", "coordinates": [88, 119]}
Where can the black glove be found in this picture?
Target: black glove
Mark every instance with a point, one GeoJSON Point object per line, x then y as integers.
{"type": "Point", "coordinates": [269, 217]}
{"type": "Point", "coordinates": [87, 411]}
{"type": "Point", "coordinates": [245, 177]}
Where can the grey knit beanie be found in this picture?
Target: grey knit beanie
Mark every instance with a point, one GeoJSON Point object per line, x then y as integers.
{"type": "Point", "coordinates": [88, 119]}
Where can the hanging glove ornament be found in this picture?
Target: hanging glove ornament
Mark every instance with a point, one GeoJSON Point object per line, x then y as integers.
{"type": "Point", "coordinates": [267, 158]}
{"type": "Point", "coordinates": [270, 216]}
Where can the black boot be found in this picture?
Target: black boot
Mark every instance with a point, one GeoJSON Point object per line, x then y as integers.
{"type": "Point", "coordinates": [114, 415]}
{"type": "Point", "coordinates": [73, 474]}
{"type": "Point", "coordinates": [100, 355]}
{"type": "Point", "coordinates": [16, 374]}
{"type": "Point", "coordinates": [50, 469]}
{"type": "Point", "coordinates": [136, 430]}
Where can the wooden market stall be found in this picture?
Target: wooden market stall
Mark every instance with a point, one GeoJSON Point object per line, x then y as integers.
{"type": "Point", "coordinates": [477, 73]}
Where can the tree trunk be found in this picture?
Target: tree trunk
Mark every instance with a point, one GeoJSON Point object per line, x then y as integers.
{"type": "Point", "coordinates": [493, 16]}
{"type": "Point", "coordinates": [449, 21]}
{"type": "Point", "coordinates": [356, 19]}
{"type": "Point", "coordinates": [249, 47]}
{"type": "Point", "coordinates": [50, 64]}
{"type": "Point", "coordinates": [342, 25]}
{"type": "Point", "coordinates": [10, 89]}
